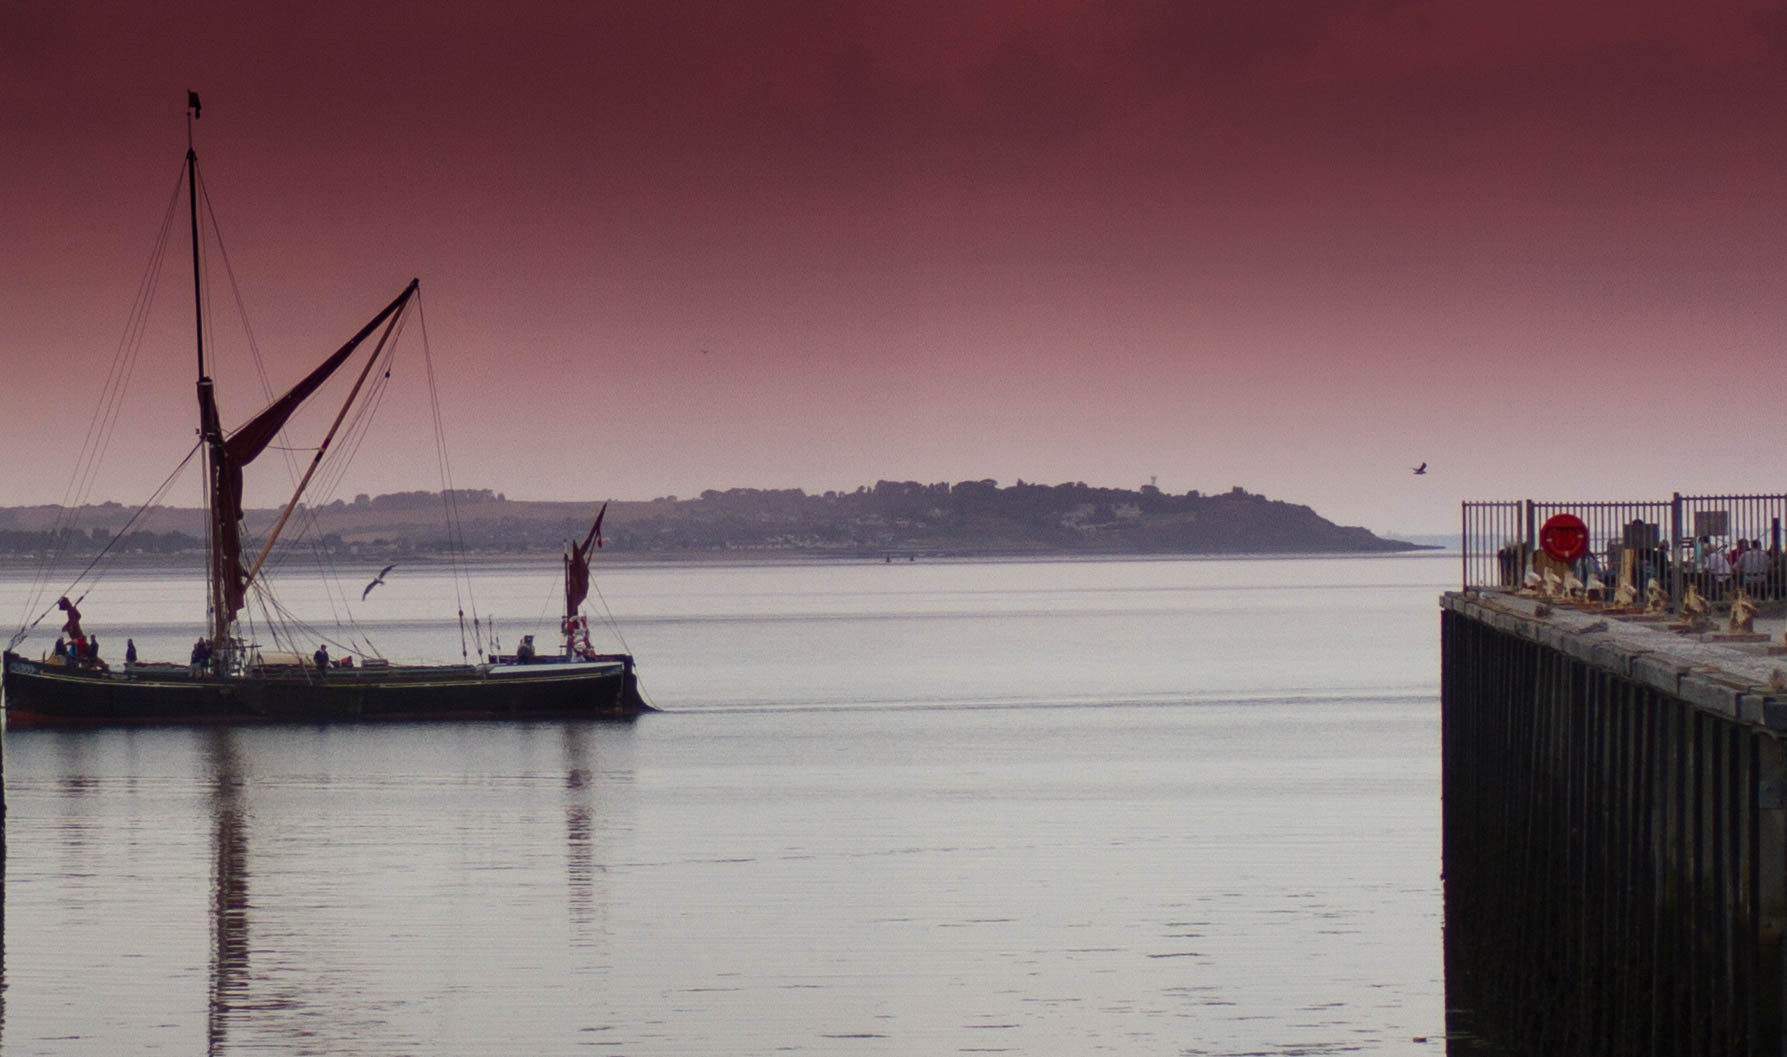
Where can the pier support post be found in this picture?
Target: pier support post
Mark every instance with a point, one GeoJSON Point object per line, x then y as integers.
{"type": "Point", "coordinates": [1770, 886]}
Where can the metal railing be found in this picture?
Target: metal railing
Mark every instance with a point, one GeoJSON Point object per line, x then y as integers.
{"type": "Point", "coordinates": [1497, 535]}
{"type": "Point", "coordinates": [1673, 538]}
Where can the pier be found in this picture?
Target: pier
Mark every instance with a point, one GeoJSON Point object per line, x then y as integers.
{"type": "Point", "coordinates": [1615, 803]}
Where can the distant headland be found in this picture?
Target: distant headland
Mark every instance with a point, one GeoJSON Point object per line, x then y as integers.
{"type": "Point", "coordinates": [889, 518]}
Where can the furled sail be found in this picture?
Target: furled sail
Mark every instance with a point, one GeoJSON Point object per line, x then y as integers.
{"type": "Point", "coordinates": [577, 566]}
{"type": "Point", "coordinates": [229, 456]}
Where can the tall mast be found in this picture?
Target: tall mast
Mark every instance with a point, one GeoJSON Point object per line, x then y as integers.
{"type": "Point", "coordinates": [570, 611]}
{"type": "Point", "coordinates": [192, 205]}
{"type": "Point", "coordinates": [210, 430]}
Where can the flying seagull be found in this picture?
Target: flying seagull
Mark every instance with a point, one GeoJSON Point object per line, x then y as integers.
{"type": "Point", "coordinates": [1420, 470]}
{"type": "Point", "coordinates": [379, 579]}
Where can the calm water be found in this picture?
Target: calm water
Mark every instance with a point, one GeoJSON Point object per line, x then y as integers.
{"type": "Point", "coordinates": [1165, 807]}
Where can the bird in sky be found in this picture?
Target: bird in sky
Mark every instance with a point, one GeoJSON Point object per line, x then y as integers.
{"type": "Point", "coordinates": [379, 579]}
{"type": "Point", "coordinates": [1421, 470]}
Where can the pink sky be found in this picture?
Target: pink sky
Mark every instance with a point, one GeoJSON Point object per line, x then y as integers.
{"type": "Point", "coordinates": [1293, 245]}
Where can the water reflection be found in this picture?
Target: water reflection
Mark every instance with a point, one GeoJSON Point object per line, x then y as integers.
{"type": "Point", "coordinates": [376, 890]}
{"type": "Point", "coordinates": [229, 886]}
{"type": "Point", "coordinates": [580, 849]}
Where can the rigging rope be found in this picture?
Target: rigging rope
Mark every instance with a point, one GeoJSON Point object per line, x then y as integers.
{"type": "Point", "coordinates": [265, 609]}
{"type": "Point", "coordinates": [262, 590]}
{"type": "Point", "coordinates": [456, 548]}
{"type": "Point", "coordinates": [323, 490]}
{"type": "Point", "coordinates": [103, 423]}
{"type": "Point", "coordinates": [116, 538]}
{"type": "Point", "coordinates": [608, 615]}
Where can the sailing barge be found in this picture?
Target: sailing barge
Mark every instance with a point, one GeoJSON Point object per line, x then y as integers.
{"type": "Point", "coordinates": [45, 695]}
{"type": "Point", "coordinates": [232, 680]}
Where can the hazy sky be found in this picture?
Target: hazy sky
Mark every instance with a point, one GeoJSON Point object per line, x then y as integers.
{"type": "Point", "coordinates": [1295, 245]}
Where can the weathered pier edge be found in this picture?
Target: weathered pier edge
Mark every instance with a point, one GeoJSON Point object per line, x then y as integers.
{"type": "Point", "coordinates": [1615, 836]}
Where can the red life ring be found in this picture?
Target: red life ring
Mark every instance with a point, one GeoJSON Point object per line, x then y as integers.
{"type": "Point", "coordinates": [1564, 537]}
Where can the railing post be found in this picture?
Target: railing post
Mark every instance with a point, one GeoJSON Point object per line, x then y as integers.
{"type": "Point", "coordinates": [1464, 546]}
{"type": "Point", "coordinates": [1675, 548]}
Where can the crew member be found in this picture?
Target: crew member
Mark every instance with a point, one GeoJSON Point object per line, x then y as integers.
{"type": "Point", "coordinates": [73, 628]}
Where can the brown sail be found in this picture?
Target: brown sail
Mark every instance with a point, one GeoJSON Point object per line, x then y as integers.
{"type": "Point", "coordinates": [577, 567]}
{"type": "Point", "coordinates": [249, 441]}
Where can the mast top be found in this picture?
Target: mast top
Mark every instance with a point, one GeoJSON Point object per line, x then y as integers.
{"type": "Point", "coordinates": [192, 114]}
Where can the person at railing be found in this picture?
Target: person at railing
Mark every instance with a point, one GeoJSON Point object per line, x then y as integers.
{"type": "Point", "coordinates": [1715, 572]}
{"type": "Point", "coordinates": [1512, 562]}
{"type": "Point", "coordinates": [1753, 566]}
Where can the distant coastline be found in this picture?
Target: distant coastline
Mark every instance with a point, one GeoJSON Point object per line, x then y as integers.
{"type": "Point", "coordinates": [1443, 541]}
{"type": "Point", "coordinates": [888, 520]}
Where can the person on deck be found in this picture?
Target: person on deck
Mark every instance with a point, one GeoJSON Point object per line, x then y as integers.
{"type": "Point", "coordinates": [73, 627]}
{"type": "Point", "coordinates": [61, 650]}
{"type": "Point", "coordinates": [321, 657]}
{"type": "Point", "coordinates": [201, 657]}
{"type": "Point", "coordinates": [524, 653]}
{"type": "Point", "coordinates": [130, 652]}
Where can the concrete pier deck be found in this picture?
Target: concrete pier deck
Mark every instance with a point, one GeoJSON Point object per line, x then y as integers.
{"type": "Point", "coordinates": [1737, 680]}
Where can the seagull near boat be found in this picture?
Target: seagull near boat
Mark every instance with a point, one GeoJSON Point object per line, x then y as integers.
{"type": "Point", "coordinates": [377, 580]}
{"type": "Point", "coordinates": [1421, 470]}
{"type": "Point", "coordinates": [233, 677]}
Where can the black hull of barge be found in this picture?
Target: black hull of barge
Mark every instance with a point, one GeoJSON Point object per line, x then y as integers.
{"type": "Point", "coordinates": [39, 695]}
